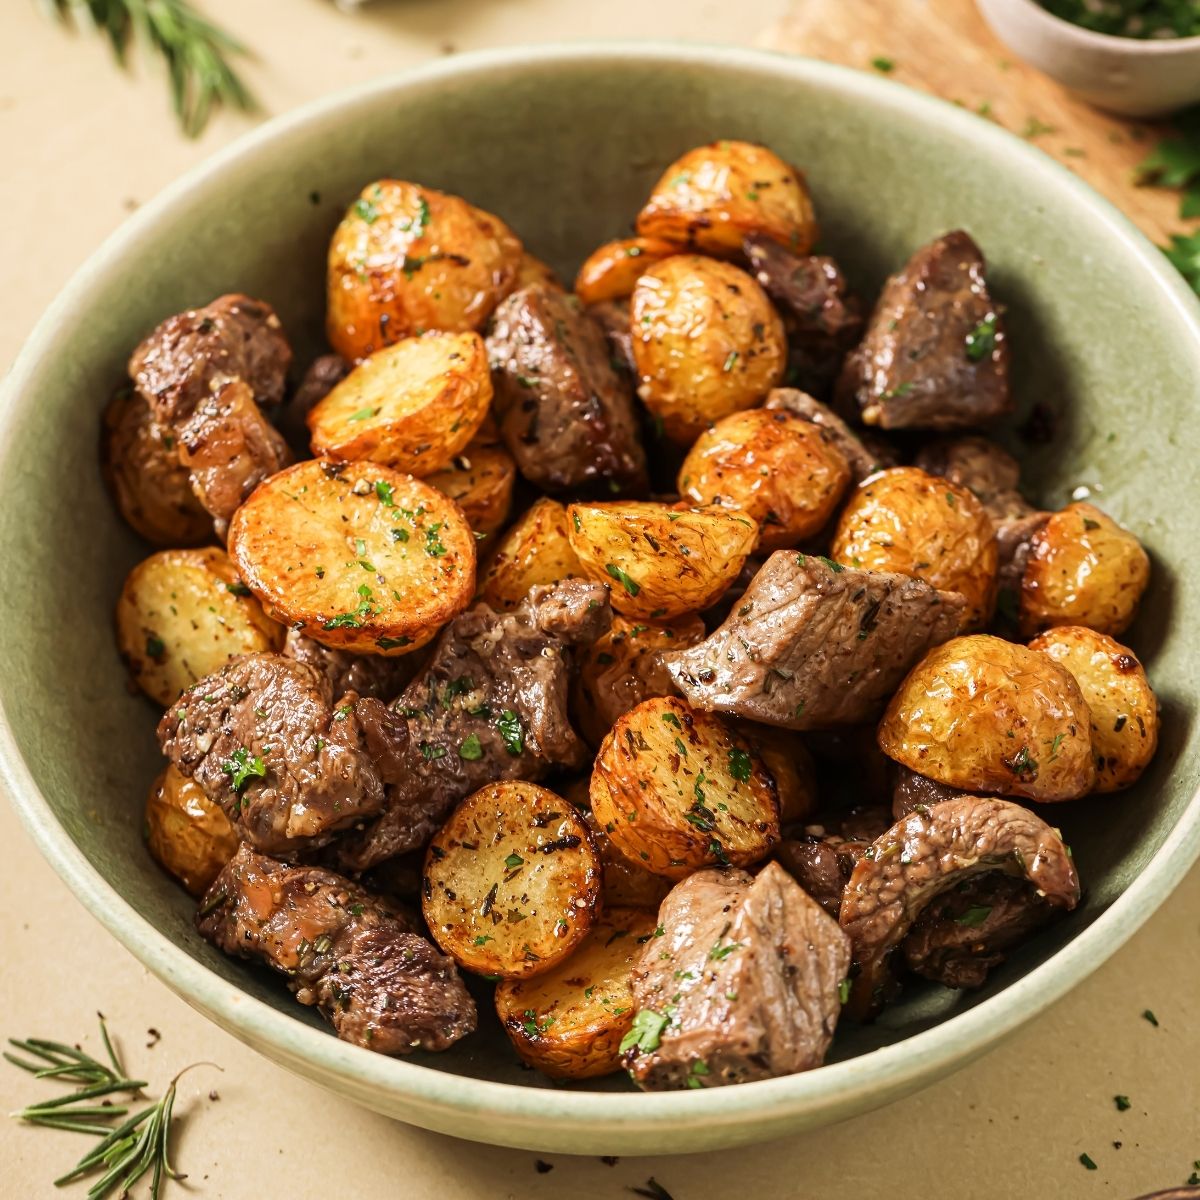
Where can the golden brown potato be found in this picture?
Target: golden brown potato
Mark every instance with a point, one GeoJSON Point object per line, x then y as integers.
{"type": "Point", "coordinates": [986, 715]}
{"type": "Point", "coordinates": [676, 789]}
{"type": "Point", "coordinates": [355, 555]}
{"type": "Point", "coordinates": [661, 562]}
{"type": "Point", "coordinates": [140, 461]}
{"type": "Point", "coordinates": [786, 757]}
{"type": "Point", "coordinates": [780, 469]}
{"type": "Point", "coordinates": [611, 270]}
{"type": "Point", "coordinates": [406, 259]}
{"type": "Point", "coordinates": [536, 550]}
{"type": "Point", "coordinates": [706, 342]}
{"type": "Point", "coordinates": [480, 481]}
{"type": "Point", "coordinates": [906, 520]}
{"type": "Point", "coordinates": [626, 883]}
{"type": "Point", "coordinates": [512, 881]}
{"type": "Point", "coordinates": [569, 1022]}
{"type": "Point", "coordinates": [625, 667]}
{"type": "Point", "coordinates": [187, 832]}
{"type": "Point", "coordinates": [1122, 703]}
{"type": "Point", "coordinates": [531, 269]}
{"type": "Point", "coordinates": [182, 614]}
{"type": "Point", "coordinates": [413, 405]}
{"type": "Point", "coordinates": [1083, 569]}
{"type": "Point", "coordinates": [715, 195]}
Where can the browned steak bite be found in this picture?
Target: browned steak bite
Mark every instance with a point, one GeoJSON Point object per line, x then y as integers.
{"type": "Point", "coordinates": [823, 319]}
{"type": "Point", "coordinates": [613, 318]}
{"type": "Point", "coordinates": [935, 354]}
{"type": "Point", "coordinates": [964, 933]}
{"type": "Point", "coordinates": [264, 739]}
{"type": "Point", "coordinates": [490, 705]}
{"type": "Point", "coordinates": [565, 414]}
{"type": "Point", "coordinates": [356, 957]}
{"type": "Point", "coordinates": [743, 984]}
{"type": "Point", "coordinates": [864, 453]}
{"type": "Point", "coordinates": [814, 644]}
{"type": "Point", "coordinates": [365, 674]}
{"type": "Point", "coordinates": [322, 376]}
{"type": "Point", "coordinates": [195, 353]}
{"type": "Point", "coordinates": [911, 791]}
{"type": "Point", "coordinates": [929, 852]}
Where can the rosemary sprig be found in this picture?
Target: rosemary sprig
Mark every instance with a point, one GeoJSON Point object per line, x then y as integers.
{"type": "Point", "coordinates": [196, 52]}
{"type": "Point", "coordinates": [127, 1151]}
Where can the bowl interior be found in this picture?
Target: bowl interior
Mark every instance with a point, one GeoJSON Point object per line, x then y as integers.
{"type": "Point", "coordinates": [564, 148]}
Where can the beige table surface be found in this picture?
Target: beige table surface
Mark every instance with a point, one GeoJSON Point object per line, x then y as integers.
{"type": "Point", "coordinates": [79, 148]}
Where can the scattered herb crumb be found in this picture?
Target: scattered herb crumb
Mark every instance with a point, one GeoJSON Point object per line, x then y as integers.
{"type": "Point", "coordinates": [1086, 1159]}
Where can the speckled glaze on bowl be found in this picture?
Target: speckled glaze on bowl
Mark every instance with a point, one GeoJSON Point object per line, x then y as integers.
{"type": "Point", "coordinates": [564, 143]}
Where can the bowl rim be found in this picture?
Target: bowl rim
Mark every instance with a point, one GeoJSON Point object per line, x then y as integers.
{"type": "Point", "coordinates": [1134, 47]}
{"type": "Point", "coordinates": [876, 1076]}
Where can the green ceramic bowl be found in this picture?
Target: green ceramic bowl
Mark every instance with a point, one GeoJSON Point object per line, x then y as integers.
{"type": "Point", "coordinates": [564, 143]}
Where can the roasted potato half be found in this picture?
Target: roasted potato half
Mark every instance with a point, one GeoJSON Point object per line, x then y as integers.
{"type": "Point", "coordinates": [531, 269]}
{"type": "Point", "coordinates": [715, 195]}
{"type": "Point", "coordinates": [627, 884]}
{"type": "Point", "coordinates": [625, 667]}
{"type": "Point", "coordinates": [661, 562]}
{"type": "Point", "coordinates": [182, 614]}
{"type": "Point", "coordinates": [355, 555]}
{"type": "Point", "coordinates": [676, 789]}
{"type": "Point", "coordinates": [512, 881]}
{"type": "Point", "coordinates": [188, 834]}
{"type": "Point", "coordinates": [536, 550]}
{"type": "Point", "coordinates": [1123, 705]}
{"type": "Point", "coordinates": [706, 342]}
{"type": "Point", "coordinates": [153, 491]}
{"type": "Point", "coordinates": [784, 471]}
{"type": "Point", "coordinates": [413, 405]}
{"type": "Point", "coordinates": [406, 259]}
{"type": "Point", "coordinates": [480, 481]}
{"type": "Point", "coordinates": [1083, 569]}
{"type": "Point", "coordinates": [611, 270]}
{"type": "Point", "coordinates": [787, 758]}
{"type": "Point", "coordinates": [906, 520]}
{"type": "Point", "coordinates": [985, 715]}
{"type": "Point", "coordinates": [569, 1021]}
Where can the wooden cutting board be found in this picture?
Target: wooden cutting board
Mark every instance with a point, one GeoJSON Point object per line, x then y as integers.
{"type": "Point", "coordinates": [945, 47]}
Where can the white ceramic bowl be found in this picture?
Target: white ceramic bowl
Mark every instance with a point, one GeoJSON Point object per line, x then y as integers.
{"type": "Point", "coordinates": [1132, 76]}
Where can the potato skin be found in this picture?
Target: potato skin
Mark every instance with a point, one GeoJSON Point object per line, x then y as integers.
{"type": "Point", "coordinates": [531, 269]}
{"type": "Point", "coordinates": [714, 195]}
{"type": "Point", "coordinates": [569, 1021]}
{"type": "Point", "coordinates": [986, 715]}
{"type": "Point", "coordinates": [355, 555]}
{"type": "Point", "coordinates": [1123, 705]}
{"type": "Point", "coordinates": [611, 270]}
{"type": "Point", "coordinates": [906, 520]}
{"type": "Point", "coordinates": [152, 488]}
{"type": "Point", "coordinates": [771, 464]}
{"type": "Point", "coordinates": [413, 405]}
{"type": "Point", "coordinates": [536, 550]}
{"type": "Point", "coordinates": [182, 614]}
{"type": "Point", "coordinates": [511, 881]}
{"type": "Point", "coordinates": [623, 668]}
{"type": "Point", "coordinates": [480, 481]}
{"type": "Point", "coordinates": [706, 342]}
{"type": "Point", "coordinates": [187, 833]}
{"type": "Point", "coordinates": [627, 884]}
{"type": "Point", "coordinates": [677, 789]}
{"type": "Point", "coordinates": [1083, 569]}
{"type": "Point", "coordinates": [406, 259]}
{"type": "Point", "coordinates": [790, 764]}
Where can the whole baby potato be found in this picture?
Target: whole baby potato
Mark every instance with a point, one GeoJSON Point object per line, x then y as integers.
{"type": "Point", "coordinates": [706, 342]}
{"type": "Point", "coordinates": [906, 520]}
{"type": "Point", "coordinates": [715, 195]}
{"type": "Point", "coordinates": [188, 833]}
{"type": "Point", "coordinates": [985, 715]}
{"type": "Point", "coordinates": [785, 472]}
{"type": "Point", "coordinates": [611, 271]}
{"type": "Point", "coordinates": [1083, 569]}
{"type": "Point", "coordinates": [406, 259]}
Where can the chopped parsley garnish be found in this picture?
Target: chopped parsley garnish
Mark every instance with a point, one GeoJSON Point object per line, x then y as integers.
{"type": "Point", "coordinates": [669, 718]}
{"type": "Point", "coordinates": [740, 765]}
{"type": "Point", "coordinates": [1086, 1159]}
{"type": "Point", "coordinates": [354, 620]}
{"type": "Point", "coordinates": [645, 1033]}
{"type": "Point", "coordinates": [835, 567]}
{"type": "Point", "coordinates": [719, 953]}
{"type": "Point", "coordinates": [155, 646]}
{"type": "Point", "coordinates": [974, 916]}
{"type": "Point", "coordinates": [384, 491]}
{"type": "Point", "coordinates": [981, 341]}
{"type": "Point", "coordinates": [513, 861]}
{"type": "Point", "coordinates": [531, 1026]}
{"type": "Point", "coordinates": [1023, 764]}
{"type": "Point", "coordinates": [399, 535]}
{"type": "Point", "coordinates": [697, 1069]}
{"type": "Point", "coordinates": [470, 749]}
{"type": "Point", "coordinates": [237, 589]}
{"type": "Point", "coordinates": [430, 752]}
{"type": "Point", "coordinates": [730, 361]}
{"type": "Point", "coordinates": [483, 939]}
{"type": "Point", "coordinates": [362, 415]}
{"type": "Point", "coordinates": [392, 643]}
{"type": "Point", "coordinates": [433, 543]}
{"type": "Point", "coordinates": [366, 210]}
{"type": "Point", "coordinates": [628, 584]}
{"type": "Point", "coordinates": [1149, 1016]}
{"type": "Point", "coordinates": [511, 731]}
{"type": "Point", "coordinates": [242, 767]}
{"type": "Point", "coordinates": [1123, 1103]}
{"type": "Point", "coordinates": [844, 990]}
{"type": "Point", "coordinates": [886, 65]}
